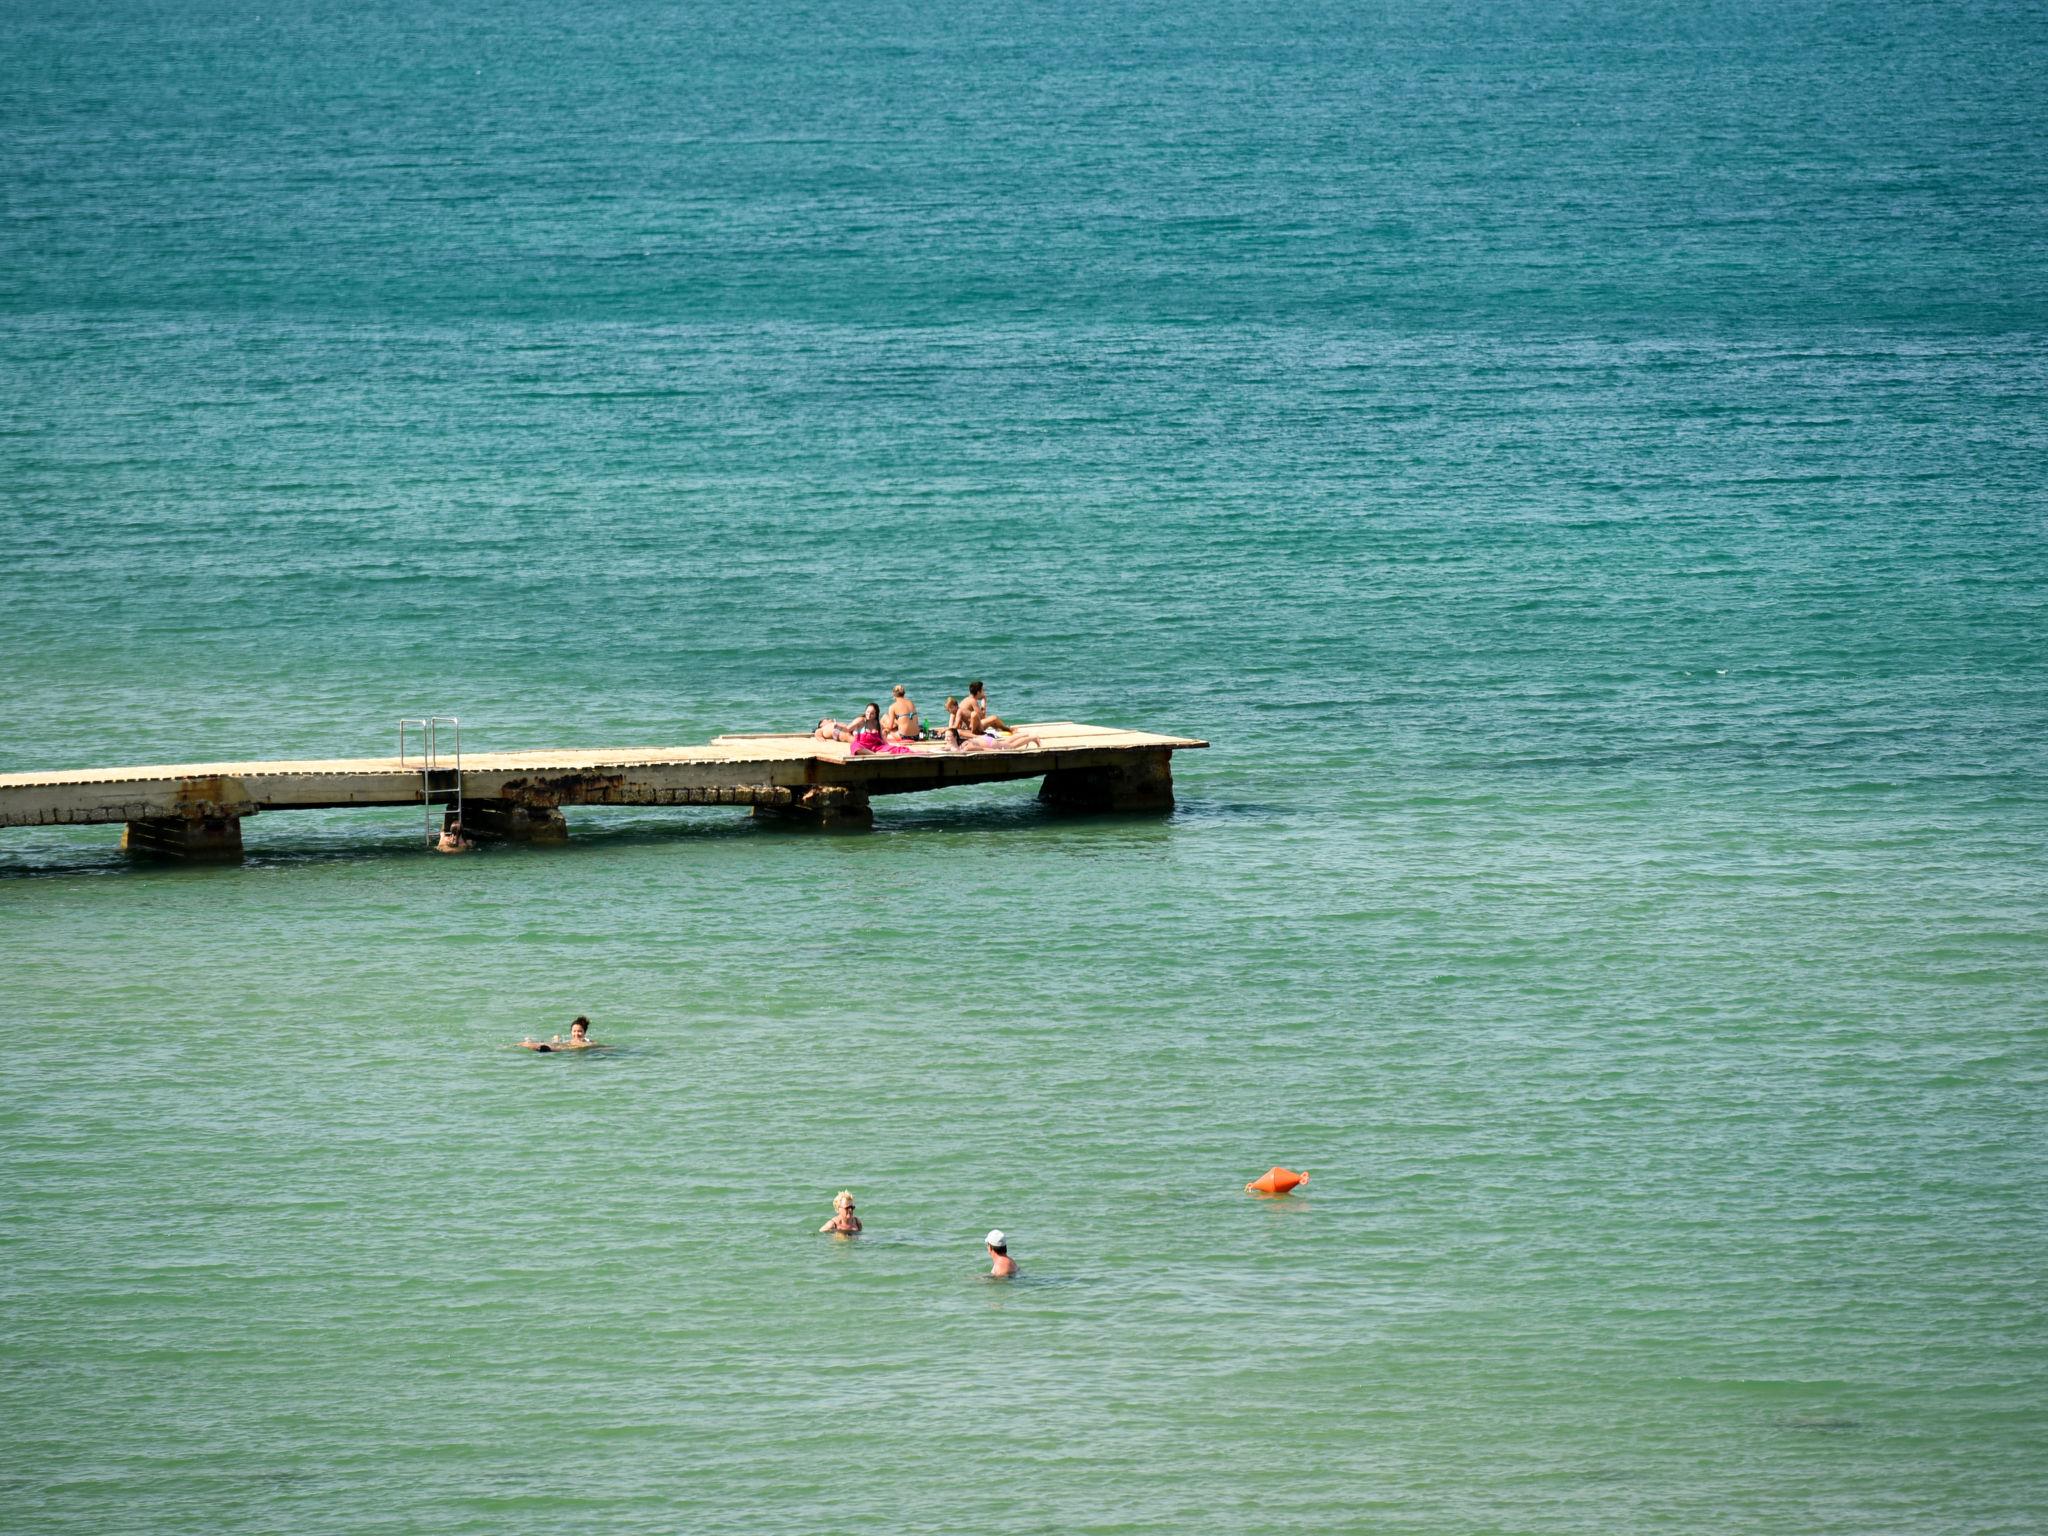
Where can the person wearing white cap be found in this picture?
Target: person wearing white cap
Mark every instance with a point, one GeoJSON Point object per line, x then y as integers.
{"type": "Point", "coordinates": [1005, 1267]}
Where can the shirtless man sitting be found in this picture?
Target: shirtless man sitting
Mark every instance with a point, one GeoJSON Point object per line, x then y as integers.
{"type": "Point", "coordinates": [901, 723]}
{"type": "Point", "coordinates": [978, 717]}
{"type": "Point", "coordinates": [963, 736]}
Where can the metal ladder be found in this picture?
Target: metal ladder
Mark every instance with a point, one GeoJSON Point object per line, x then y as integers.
{"type": "Point", "coordinates": [440, 782]}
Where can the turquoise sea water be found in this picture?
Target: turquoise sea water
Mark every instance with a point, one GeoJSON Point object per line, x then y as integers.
{"type": "Point", "coordinates": [1581, 465]}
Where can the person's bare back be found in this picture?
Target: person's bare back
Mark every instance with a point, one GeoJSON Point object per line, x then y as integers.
{"type": "Point", "coordinates": [901, 723]}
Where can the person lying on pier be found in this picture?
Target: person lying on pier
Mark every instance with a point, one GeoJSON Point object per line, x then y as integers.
{"type": "Point", "coordinates": [843, 1223]}
{"type": "Point", "coordinates": [901, 723]}
{"type": "Point", "coordinates": [989, 741]}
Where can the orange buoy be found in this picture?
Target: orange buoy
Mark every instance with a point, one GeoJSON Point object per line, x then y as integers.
{"type": "Point", "coordinates": [1276, 1181]}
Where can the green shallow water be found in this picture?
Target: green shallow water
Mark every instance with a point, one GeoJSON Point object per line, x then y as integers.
{"type": "Point", "coordinates": [1581, 469]}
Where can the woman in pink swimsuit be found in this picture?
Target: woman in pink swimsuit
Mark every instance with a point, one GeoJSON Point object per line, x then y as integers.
{"type": "Point", "coordinates": [867, 724]}
{"type": "Point", "coordinates": [867, 736]}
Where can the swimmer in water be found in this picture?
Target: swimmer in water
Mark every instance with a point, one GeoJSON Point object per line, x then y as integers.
{"type": "Point", "coordinates": [843, 1223]}
{"type": "Point", "coordinates": [579, 1039]}
{"type": "Point", "coordinates": [1004, 1267]}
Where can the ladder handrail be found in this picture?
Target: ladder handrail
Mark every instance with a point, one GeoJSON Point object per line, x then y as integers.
{"type": "Point", "coordinates": [431, 764]}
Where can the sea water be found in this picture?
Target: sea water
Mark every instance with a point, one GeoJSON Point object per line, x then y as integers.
{"type": "Point", "coordinates": [1580, 466]}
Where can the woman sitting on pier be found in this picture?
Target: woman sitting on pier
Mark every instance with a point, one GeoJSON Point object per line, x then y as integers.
{"type": "Point", "coordinates": [901, 723]}
{"type": "Point", "coordinates": [867, 723]}
{"type": "Point", "coordinates": [868, 736]}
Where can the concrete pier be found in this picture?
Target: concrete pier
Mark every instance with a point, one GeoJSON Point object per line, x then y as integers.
{"type": "Point", "coordinates": [194, 811]}
{"type": "Point", "coordinates": [191, 839]}
{"type": "Point", "coordinates": [508, 821]}
{"type": "Point", "coordinates": [1139, 780]}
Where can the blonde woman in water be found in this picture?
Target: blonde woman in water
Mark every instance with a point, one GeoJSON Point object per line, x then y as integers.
{"type": "Point", "coordinates": [843, 1223]}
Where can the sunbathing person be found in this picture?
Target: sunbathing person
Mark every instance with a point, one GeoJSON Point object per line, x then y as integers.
{"type": "Point", "coordinates": [977, 705]}
{"type": "Point", "coordinates": [989, 741]}
{"type": "Point", "coordinates": [901, 723]}
{"type": "Point", "coordinates": [868, 737]}
{"type": "Point", "coordinates": [868, 723]}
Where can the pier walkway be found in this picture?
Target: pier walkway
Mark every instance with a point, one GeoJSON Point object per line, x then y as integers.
{"type": "Point", "coordinates": [195, 810]}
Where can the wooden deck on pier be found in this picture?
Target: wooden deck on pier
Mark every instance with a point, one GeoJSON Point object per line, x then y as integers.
{"type": "Point", "coordinates": [520, 794]}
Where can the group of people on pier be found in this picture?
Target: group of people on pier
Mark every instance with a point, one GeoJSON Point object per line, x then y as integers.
{"type": "Point", "coordinates": [971, 726]}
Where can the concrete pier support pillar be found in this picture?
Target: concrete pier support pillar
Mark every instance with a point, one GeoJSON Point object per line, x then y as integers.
{"type": "Point", "coordinates": [185, 839]}
{"type": "Point", "coordinates": [1139, 782]}
{"type": "Point", "coordinates": [506, 821]}
{"type": "Point", "coordinates": [821, 805]}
